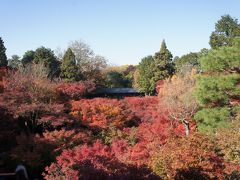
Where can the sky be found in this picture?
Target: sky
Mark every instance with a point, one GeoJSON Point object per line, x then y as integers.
{"type": "Point", "coordinates": [123, 31]}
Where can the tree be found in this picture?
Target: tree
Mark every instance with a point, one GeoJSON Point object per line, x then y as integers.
{"type": "Point", "coordinates": [93, 69]}
{"type": "Point", "coordinates": [82, 51]}
{"type": "Point", "coordinates": [143, 78]}
{"type": "Point", "coordinates": [123, 74]}
{"type": "Point", "coordinates": [116, 80]}
{"type": "Point", "coordinates": [69, 70]}
{"type": "Point", "coordinates": [32, 99]}
{"type": "Point", "coordinates": [218, 87]}
{"type": "Point", "coordinates": [129, 74]}
{"type": "Point", "coordinates": [225, 30]}
{"type": "Point", "coordinates": [98, 159]}
{"type": "Point", "coordinates": [3, 57]}
{"type": "Point", "coordinates": [152, 69]}
{"type": "Point", "coordinates": [76, 90]}
{"type": "Point", "coordinates": [103, 113]}
{"type": "Point", "coordinates": [186, 62]}
{"type": "Point", "coordinates": [191, 157]}
{"type": "Point", "coordinates": [28, 57]}
{"type": "Point", "coordinates": [14, 62]}
{"type": "Point", "coordinates": [162, 66]}
{"type": "Point", "coordinates": [176, 95]}
{"type": "Point", "coordinates": [46, 56]}
{"type": "Point", "coordinates": [89, 64]}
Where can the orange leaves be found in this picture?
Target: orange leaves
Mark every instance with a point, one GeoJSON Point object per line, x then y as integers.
{"type": "Point", "coordinates": [102, 112]}
{"type": "Point", "coordinates": [228, 142]}
{"type": "Point", "coordinates": [176, 96]}
{"type": "Point", "coordinates": [193, 156]}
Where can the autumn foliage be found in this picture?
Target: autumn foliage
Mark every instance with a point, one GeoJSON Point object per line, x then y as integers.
{"type": "Point", "coordinates": [57, 132]}
{"type": "Point", "coordinates": [192, 157]}
{"type": "Point", "coordinates": [75, 90]}
{"type": "Point", "coordinates": [102, 113]}
{"type": "Point", "coordinates": [3, 73]}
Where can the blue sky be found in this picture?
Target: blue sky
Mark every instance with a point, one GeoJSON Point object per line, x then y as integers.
{"type": "Point", "coordinates": [123, 31]}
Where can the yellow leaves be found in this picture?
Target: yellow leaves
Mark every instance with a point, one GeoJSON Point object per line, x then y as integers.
{"type": "Point", "coordinates": [74, 113]}
{"type": "Point", "coordinates": [110, 110]}
{"type": "Point", "coordinates": [228, 142]}
{"type": "Point", "coordinates": [193, 72]}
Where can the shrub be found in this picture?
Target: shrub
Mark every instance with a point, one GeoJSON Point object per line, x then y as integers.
{"type": "Point", "coordinates": [103, 113]}
{"type": "Point", "coordinates": [187, 158]}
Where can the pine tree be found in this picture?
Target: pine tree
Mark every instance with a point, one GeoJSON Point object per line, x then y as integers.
{"type": "Point", "coordinates": [162, 66]}
{"type": "Point", "coordinates": [226, 29]}
{"type": "Point", "coordinates": [218, 87]}
{"type": "Point", "coordinates": [3, 57]}
{"type": "Point", "coordinates": [69, 70]}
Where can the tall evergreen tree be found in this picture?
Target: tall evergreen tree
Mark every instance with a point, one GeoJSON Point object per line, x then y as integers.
{"type": "Point", "coordinates": [226, 29]}
{"type": "Point", "coordinates": [3, 57]}
{"type": "Point", "coordinates": [69, 69]}
{"type": "Point", "coordinates": [163, 65]}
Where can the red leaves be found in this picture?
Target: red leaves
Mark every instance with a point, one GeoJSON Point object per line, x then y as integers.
{"type": "Point", "coordinates": [32, 150]}
{"type": "Point", "coordinates": [192, 156]}
{"type": "Point", "coordinates": [64, 139]}
{"type": "Point", "coordinates": [91, 162]}
{"type": "Point", "coordinates": [96, 159]}
{"type": "Point", "coordinates": [76, 90]}
{"type": "Point", "coordinates": [144, 108]}
{"type": "Point", "coordinates": [34, 98]}
{"type": "Point", "coordinates": [102, 112]}
{"type": "Point", "coordinates": [137, 133]}
{"type": "Point", "coordinates": [3, 72]}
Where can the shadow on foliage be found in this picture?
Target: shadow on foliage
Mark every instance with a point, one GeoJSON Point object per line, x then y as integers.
{"type": "Point", "coordinates": [191, 173]}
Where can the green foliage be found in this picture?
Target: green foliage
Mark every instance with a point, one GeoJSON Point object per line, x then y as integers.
{"type": "Point", "coordinates": [217, 90]}
{"type": "Point", "coordinates": [129, 74]}
{"type": "Point", "coordinates": [163, 66]}
{"type": "Point", "coordinates": [3, 57]}
{"type": "Point", "coordinates": [113, 133]}
{"type": "Point", "coordinates": [223, 59]}
{"type": "Point", "coordinates": [116, 79]}
{"type": "Point", "coordinates": [14, 62]}
{"type": "Point", "coordinates": [28, 57]}
{"type": "Point", "coordinates": [46, 56]}
{"type": "Point", "coordinates": [191, 60]}
{"type": "Point", "coordinates": [152, 69]}
{"type": "Point", "coordinates": [226, 29]}
{"type": "Point", "coordinates": [69, 69]}
{"type": "Point", "coordinates": [144, 81]}
{"type": "Point", "coordinates": [218, 87]}
{"type": "Point", "coordinates": [210, 119]}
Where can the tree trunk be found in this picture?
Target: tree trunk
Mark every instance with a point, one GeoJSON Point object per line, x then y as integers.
{"type": "Point", "coordinates": [187, 128]}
